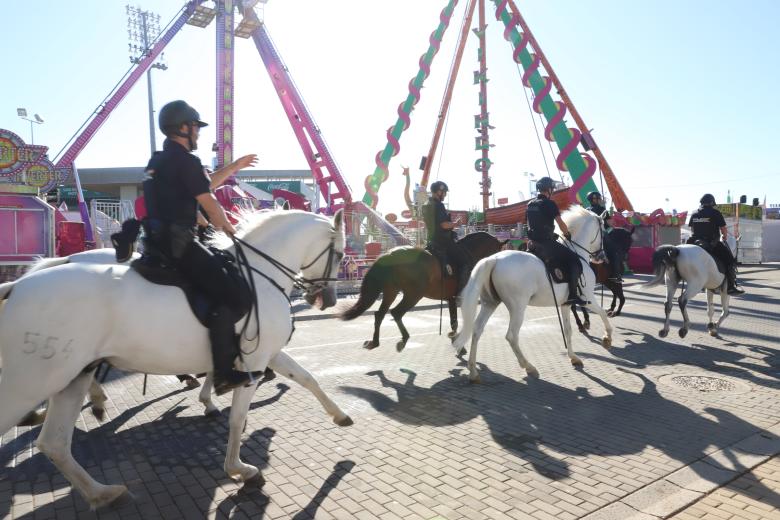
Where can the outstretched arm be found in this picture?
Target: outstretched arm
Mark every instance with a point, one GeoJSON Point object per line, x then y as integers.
{"type": "Point", "coordinates": [224, 173]}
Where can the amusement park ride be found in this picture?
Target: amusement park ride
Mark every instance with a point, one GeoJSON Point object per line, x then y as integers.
{"type": "Point", "coordinates": [25, 170]}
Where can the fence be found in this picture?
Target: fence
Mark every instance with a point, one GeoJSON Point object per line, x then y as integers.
{"type": "Point", "coordinates": [107, 217]}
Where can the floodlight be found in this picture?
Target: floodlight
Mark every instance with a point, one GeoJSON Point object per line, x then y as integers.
{"type": "Point", "coordinates": [21, 112]}
{"type": "Point", "coordinates": [38, 118]}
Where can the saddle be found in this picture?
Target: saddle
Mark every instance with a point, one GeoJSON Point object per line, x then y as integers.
{"type": "Point", "coordinates": [554, 265]}
{"type": "Point", "coordinates": [441, 255]}
{"type": "Point", "coordinates": [710, 248]}
{"type": "Point", "coordinates": [201, 305]}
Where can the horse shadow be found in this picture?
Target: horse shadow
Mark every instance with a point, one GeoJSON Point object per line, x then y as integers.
{"type": "Point", "coordinates": [642, 350]}
{"type": "Point", "coordinates": [544, 424]}
{"type": "Point", "coordinates": [171, 465]}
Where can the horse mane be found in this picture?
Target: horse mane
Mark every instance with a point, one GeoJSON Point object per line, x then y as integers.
{"type": "Point", "coordinates": [575, 216]}
{"type": "Point", "coordinates": [250, 221]}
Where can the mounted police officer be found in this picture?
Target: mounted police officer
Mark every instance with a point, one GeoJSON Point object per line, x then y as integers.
{"type": "Point", "coordinates": [175, 186]}
{"type": "Point", "coordinates": [615, 254]}
{"type": "Point", "coordinates": [441, 234]}
{"type": "Point", "coordinates": [708, 225]}
{"type": "Point", "coordinates": [542, 213]}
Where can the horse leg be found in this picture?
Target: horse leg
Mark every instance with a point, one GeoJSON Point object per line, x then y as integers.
{"type": "Point", "coordinates": [453, 308]}
{"type": "Point", "coordinates": [513, 337]}
{"type": "Point", "coordinates": [387, 299]}
{"type": "Point", "coordinates": [724, 304]}
{"type": "Point", "coordinates": [98, 399]}
{"type": "Point", "coordinates": [234, 467]}
{"type": "Point", "coordinates": [580, 326]}
{"type": "Point", "coordinates": [606, 339]}
{"type": "Point", "coordinates": [286, 365]}
{"type": "Point", "coordinates": [485, 311]}
{"type": "Point", "coordinates": [671, 287]}
{"type": "Point", "coordinates": [682, 301]}
{"type": "Point", "coordinates": [408, 301]}
{"type": "Point", "coordinates": [55, 442]}
{"type": "Point", "coordinates": [204, 397]}
{"type": "Point", "coordinates": [621, 298]}
{"type": "Point", "coordinates": [566, 319]}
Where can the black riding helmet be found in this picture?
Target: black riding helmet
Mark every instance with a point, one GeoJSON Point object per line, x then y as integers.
{"type": "Point", "coordinates": [592, 195]}
{"type": "Point", "coordinates": [439, 185]}
{"type": "Point", "coordinates": [707, 200]}
{"type": "Point", "coordinates": [177, 113]}
{"type": "Point", "coordinates": [545, 183]}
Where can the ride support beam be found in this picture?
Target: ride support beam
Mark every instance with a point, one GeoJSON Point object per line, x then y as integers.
{"type": "Point", "coordinates": [225, 76]}
{"type": "Point", "coordinates": [482, 121]}
{"type": "Point", "coordinates": [327, 175]}
{"type": "Point", "coordinates": [445, 102]}
{"type": "Point", "coordinates": [580, 166]}
{"type": "Point", "coordinates": [619, 197]}
{"type": "Point", "coordinates": [393, 146]}
{"type": "Point", "coordinates": [77, 144]}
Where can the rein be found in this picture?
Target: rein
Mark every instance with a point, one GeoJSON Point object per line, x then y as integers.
{"type": "Point", "coordinates": [590, 253]}
{"type": "Point", "coordinates": [299, 282]}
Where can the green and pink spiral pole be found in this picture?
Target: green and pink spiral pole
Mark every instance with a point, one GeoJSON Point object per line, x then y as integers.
{"type": "Point", "coordinates": [580, 166]}
{"type": "Point", "coordinates": [393, 145]}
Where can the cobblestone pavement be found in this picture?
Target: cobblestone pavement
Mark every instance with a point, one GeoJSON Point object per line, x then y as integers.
{"type": "Point", "coordinates": [648, 429]}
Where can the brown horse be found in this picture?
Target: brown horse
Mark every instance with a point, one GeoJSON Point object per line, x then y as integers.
{"type": "Point", "coordinates": [416, 273]}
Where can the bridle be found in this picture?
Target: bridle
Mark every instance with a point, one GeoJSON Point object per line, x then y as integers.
{"type": "Point", "coordinates": [600, 235]}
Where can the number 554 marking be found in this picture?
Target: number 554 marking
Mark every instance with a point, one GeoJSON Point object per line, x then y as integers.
{"type": "Point", "coordinates": [45, 347]}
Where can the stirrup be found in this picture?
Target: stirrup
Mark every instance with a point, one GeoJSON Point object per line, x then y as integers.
{"type": "Point", "coordinates": [234, 379]}
{"type": "Point", "coordinates": [734, 290]}
{"type": "Point", "coordinates": [575, 300]}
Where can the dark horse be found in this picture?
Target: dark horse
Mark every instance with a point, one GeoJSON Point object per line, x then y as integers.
{"type": "Point", "coordinates": [621, 240]}
{"type": "Point", "coordinates": [416, 273]}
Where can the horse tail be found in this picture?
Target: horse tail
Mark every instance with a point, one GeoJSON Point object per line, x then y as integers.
{"type": "Point", "coordinates": [479, 284]}
{"type": "Point", "coordinates": [45, 263]}
{"type": "Point", "coordinates": [664, 257]}
{"type": "Point", "coordinates": [370, 290]}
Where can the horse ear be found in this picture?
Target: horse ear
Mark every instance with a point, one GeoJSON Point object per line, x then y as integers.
{"type": "Point", "coordinates": [338, 219]}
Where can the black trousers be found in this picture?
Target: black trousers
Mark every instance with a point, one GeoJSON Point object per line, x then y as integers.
{"type": "Point", "coordinates": [615, 255]}
{"type": "Point", "coordinates": [554, 253]}
{"type": "Point", "coordinates": [719, 250]}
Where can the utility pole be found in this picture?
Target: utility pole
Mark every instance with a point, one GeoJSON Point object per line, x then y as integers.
{"type": "Point", "coordinates": [143, 28]}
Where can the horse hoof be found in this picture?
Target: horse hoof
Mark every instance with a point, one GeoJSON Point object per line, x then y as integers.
{"type": "Point", "coordinates": [33, 418]}
{"type": "Point", "coordinates": [400, 345]}
{"type": "Point", "coordinates": [577, 362]}
{"type": "Point", "coordinates": [581, 329]}
{"type": "Point", "coordinates": [606, 342]}
{"type": "Point", "coordinates": [99, 413]}
{"type": "Point", "coordinates": [192, 383]}
{"type": "Point", "coordinates": [370, 345]}
{"type": "Point", "coordinates": [710, 326]}
{"type": "Point", "coordinates": [213, 414]}
{"type": "Point", "coordinates": [532, 373]}
{"type": "Point", "coordinates": [107, 496]}
{"type": "Point", "coordinates": [346, 421]}
{"type": "Point", "coordinates": [663, 333]}
{"type": "Point", "coordinates": [255, 482]}
{"type": "Point", "coordinates": [451, 334]}
{"type": "Point", "coordinates": [586, 325]}
{"type": "Point", "coordinates": [714, 332]}
{"type": "Point", "coordinates": [683, 333]}
{"type": "Point", "coordinates": [475, 380]}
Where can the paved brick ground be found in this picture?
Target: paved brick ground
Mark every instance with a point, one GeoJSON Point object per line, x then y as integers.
{"type": "Point", "coordinates": [644, 431]}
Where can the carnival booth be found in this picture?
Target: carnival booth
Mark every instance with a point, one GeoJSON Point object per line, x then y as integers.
{"type": "Point", "coordinates": [650, 231]}
{"type": "Point", "coordinates": [745, 222]}
{"type": "Point", "coordinates": [27, 229]}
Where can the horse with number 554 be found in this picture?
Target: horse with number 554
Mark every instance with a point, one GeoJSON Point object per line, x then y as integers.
{"type": "Point", "coordinates": [50, 350]}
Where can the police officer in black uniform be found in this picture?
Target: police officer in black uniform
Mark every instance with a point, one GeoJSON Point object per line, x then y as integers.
{"type": "Point", "coordinates": [708, 224]}
{"type": "Point", "coordinates": [176, 185]}
{"type": "Point", "coordinates": [614, 253]}
{"type": "Point", "coordinates": [542, 214]}
{"type": "Point", "coordinates": [441, 236]}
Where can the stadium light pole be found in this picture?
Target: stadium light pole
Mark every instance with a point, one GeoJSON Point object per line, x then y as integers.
{"type": "Point", "coordinates": [22, 113]}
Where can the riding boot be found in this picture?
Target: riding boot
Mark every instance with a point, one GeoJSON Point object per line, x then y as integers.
{"type": "Point", "coordinates": [731, 278]}
{"type": "Point", "coordinates": [574, 297]}
{"type": "Point", "coordinates": [224, 349]}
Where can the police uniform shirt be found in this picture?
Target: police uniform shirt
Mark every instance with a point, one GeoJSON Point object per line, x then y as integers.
{"type": "Point", "coordinates": [435, 214]}
{"type": "Point", "coordinates": [176, 179]}
{"type": "Point", "coordinates": [540, 217]}
{"type": "Point", "coordinates": [706, 223]}
{"type": "Point", "coordinates": [597, 209]}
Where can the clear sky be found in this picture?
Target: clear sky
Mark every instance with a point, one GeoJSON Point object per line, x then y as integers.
{"type": "Point", "coordinates": [681, 95]}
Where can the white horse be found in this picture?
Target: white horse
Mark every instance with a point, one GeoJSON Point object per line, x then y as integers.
{"type": "Point", "coordinates": [519, 279]}
{"type": "Point", "coordinates": [281, 363]}
{"type": "Point", "coordinates": [50, 350]}
{"type": "Point", "coordinates": [695, 266]}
